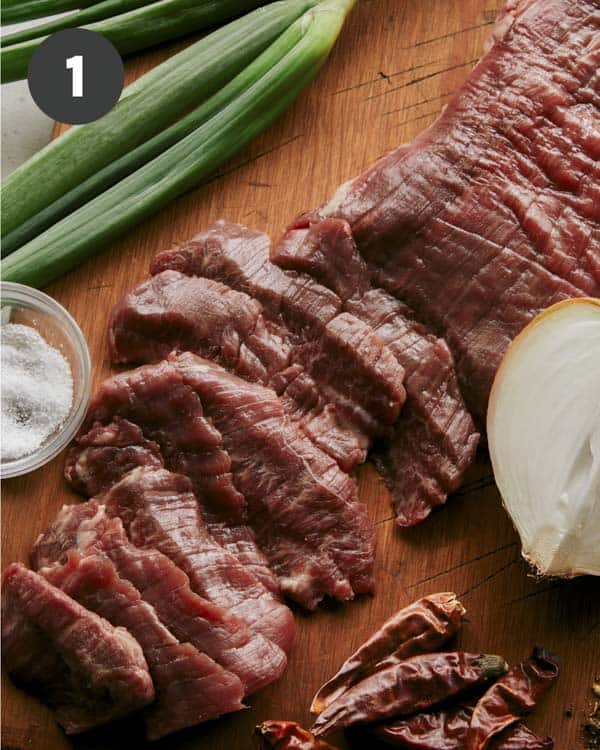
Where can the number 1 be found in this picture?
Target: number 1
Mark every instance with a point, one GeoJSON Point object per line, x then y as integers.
{"type": "Point", "coordinates": [76, 65]}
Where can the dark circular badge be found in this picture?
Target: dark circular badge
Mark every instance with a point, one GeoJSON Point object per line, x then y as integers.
{"type": "Point", "coordinates": [75, 76]}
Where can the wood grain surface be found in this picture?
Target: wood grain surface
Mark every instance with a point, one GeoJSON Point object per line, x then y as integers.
{"type": "Point", "coordinates": [395, 66]}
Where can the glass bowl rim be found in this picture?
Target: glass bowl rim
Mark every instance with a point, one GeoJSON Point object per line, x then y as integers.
{"type": "Point", "coordinates": [20, 294]}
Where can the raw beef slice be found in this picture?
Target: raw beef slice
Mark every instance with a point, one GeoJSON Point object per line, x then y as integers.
{"type": "Point", "coordinates": [434, 440]}
{"type": "Point", "coordinates": [212, 630]}
{"type": "Point", "coordinates": [302, 508]}
{"type": "Point", "coordinates": [159, 511]}
{"type": "Point", "coordinates": [88, 671]}
{"type": "Point", "coordinates": [190, 687]}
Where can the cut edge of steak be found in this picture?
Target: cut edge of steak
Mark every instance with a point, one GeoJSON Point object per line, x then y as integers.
{"type": "Point", "coordinates": [190, 687]}
{"type": "Point", "coordinates": [240, 257]}
{"type": "Point", "coordinates": [434, 440]}
{"type": "Point", "coordinates": [159, 511]}
{"type": "Point", "coordinates": [88, 671]}
{"type": "Point", "coordinates": [191, 618]}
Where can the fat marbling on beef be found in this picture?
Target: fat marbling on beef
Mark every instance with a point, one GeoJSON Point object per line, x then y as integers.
{"type": "Point", "coordinates": [212, 630]}
{"type": "Point", "coordinates": [493, 213]}
{"type": "Point", "coordinates": [88, 671]}
{"type": "Point", "coordinates": [189, 686]}
{"type": "Point", "coordinates": [159, 511]}
{"type": "Point", "coordinates": [302, 508]}
{"type": "Point", "coordinates": [106, 454]}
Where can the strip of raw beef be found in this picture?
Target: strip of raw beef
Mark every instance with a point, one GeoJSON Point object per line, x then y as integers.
{"type": "Point", "coordinates": [168, 414]}
{"type": "Point", "coordinates": [171, 311]}
{"type": "Point", "coordinates": [352, 366]}
{"type": "Point", "coordinates": [493, 213]}
{"type": "Point", "coordinates": [434, 440]}
{"type": "Point", "coordinates": [302, 508]}
{"type": "Point", "coordinates": [88, 671]}
{"type": "Point", "coordinates": [159, 511]}
{"type": "Point", "coordinates": [191, 618]}
{"type": "Point", "coordinates": [104, 455]}
{"type": "Point", "coordinates": [190, 687]}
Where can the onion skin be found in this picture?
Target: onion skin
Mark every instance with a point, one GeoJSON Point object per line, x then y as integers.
{"type": "Point", "coordinates": [543, 430]}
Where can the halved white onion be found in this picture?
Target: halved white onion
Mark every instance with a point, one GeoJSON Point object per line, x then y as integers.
{"type": "Point", "coordinates": [543, 430]}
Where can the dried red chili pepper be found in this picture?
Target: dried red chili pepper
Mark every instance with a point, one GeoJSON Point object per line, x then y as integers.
{"type": "Point", "coordinates": [521, 737]}
{"type": "Point", "coordinates": [423, 626]}
{"type": "Point", "coordinates": [447, 730]}
{"type": "Point", "coordinates": [512, 697]}
{"type": "Point", "coordinates": [442, 730]}
{"type": "Point", "coordinates": [410, 686]}
{"type": "Point", "coordinates": [286, 735]}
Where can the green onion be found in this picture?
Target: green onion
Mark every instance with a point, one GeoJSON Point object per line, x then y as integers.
{"type": "Point", "coordinates": [97, 11]}
{"type": "Point", "coordinates": [272, 81]}
{"type": "Point", "coordinates": [15, 11]}
{"type": "Point", "coordinates": [119, 169]}
{"type": "Point", "coordinates": [136, 30]}
{"type": "Point", "coordinates": [146, 107]}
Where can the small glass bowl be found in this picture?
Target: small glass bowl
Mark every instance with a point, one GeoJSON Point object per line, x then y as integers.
{"type": "Point", "coordinates": [22, 304]}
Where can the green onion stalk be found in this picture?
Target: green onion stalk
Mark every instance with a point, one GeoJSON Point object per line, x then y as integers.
{"type": "Point", "coordinates": [15, 11]}
{"type": "Point", "coordinates": [270, 84]}
{"type": "Point", "coordinates": [135, 30]}
{"type": "Point", "coordinates": [105, 9]}
{"type": "Point", "coordinates": [145, 108]}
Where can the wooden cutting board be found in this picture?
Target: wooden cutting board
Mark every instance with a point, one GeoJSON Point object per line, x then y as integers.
{"type": "Point", "coordinates": [395, 66]}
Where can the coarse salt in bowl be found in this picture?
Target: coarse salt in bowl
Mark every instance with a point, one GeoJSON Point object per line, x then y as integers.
{"type": "Point", "coordinates": [30, 307]}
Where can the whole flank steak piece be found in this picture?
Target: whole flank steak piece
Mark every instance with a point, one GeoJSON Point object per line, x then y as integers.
{"type": "Point", "coordinates": [434, 440]}
{"type": "Point", "coordinates": [88, 671]}
{"type": "Point", "coordinates": [212, 630]}
{"type": "Point", "coordinates": [301, 507]}
{"type": "Point", "coordinates": [159, 511]}
{"type": "Point", "coordinates": [190, 687]}
{"type": "Point", "coordinates": [493, 213]}
{"type": "Point", "coordinates": [343, 355]}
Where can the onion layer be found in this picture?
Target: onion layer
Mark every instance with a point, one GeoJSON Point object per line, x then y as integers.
{"type": "Point", "coordinates": [543, 430]}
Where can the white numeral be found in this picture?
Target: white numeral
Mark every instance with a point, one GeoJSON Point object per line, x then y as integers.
{"type": "Point", "coordinates": [76, 65]}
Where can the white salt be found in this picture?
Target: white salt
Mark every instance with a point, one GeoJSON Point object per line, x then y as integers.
{"type": "Point", "coordinates": [37, 390]}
